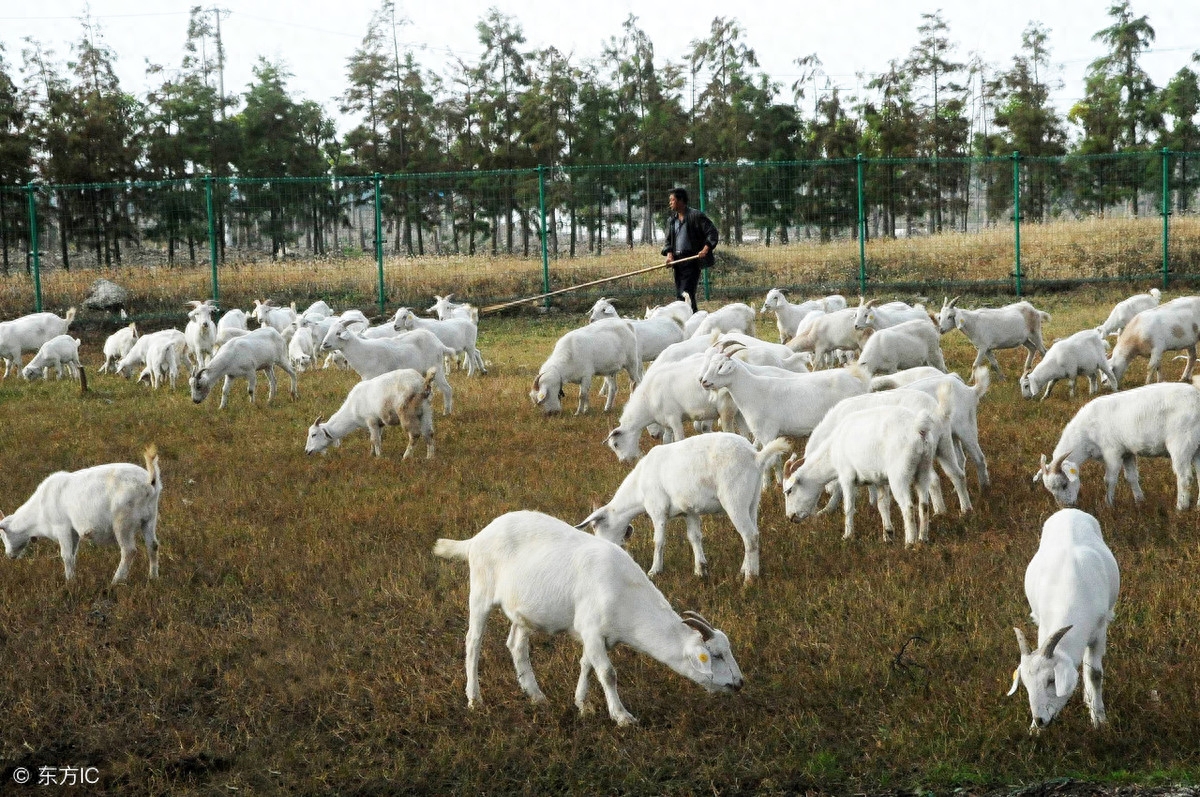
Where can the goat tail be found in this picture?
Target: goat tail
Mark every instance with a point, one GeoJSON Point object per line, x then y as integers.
{"type": "Point", "coordinates": [1045, 316]}
{"type": "Point", "coordinates": [430, 375]}
{"type": "Point", "coordinates": [151, 456]}
{"type": "Point", "coordinates": [945, 399]}
{"type": "Point", "coordinates": [771, 453]}
{"type": "Point", "coordinates": [861, 374]}
{"type": "Point", "coordinates": [452, 549]}
{"type": "Point", "coordinates": [70, 314]}
{"type": "Point", "coordinates": [983, 380]}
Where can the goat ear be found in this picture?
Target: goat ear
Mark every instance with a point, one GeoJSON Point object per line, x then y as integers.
{"type": "Point", "coordinates": [1066, 678]}
{"type": "Point", "coordinates": [590, 519]}
{"type": "Point", "coordinates": [790, 466]}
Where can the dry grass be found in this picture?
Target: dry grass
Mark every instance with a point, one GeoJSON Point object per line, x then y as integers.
{"type": "Point", "coordinates": [1093, 250]}
{"type": "Point", "coordinates": [302, 638]}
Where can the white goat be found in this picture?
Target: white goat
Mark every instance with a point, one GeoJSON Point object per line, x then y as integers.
{"type": "Point", "coordinates": [1169, 327]}
{"type": "Point", "coordinates": [55, 353]}
{"type": "Point", "coordinates": [964, 417]}
{"type": "Point", "coordinates": [117, 345]}
{"type": "Point", "coordinates": [788, 316]}
{"type": "Point", "coordinates": [162, 361]}
{"type": "Point", "coordinates": [232, 319]}
{"type": "Point", "coordinates": [735, 317]}
{"type": "Point", "coordinates": [261, 350]}
{"type": "Point", "coordinates": [774, 406]}
{"type": "Point", "coordinates": [1125, 310]}
{"type": "Point", "coordinates": [905, 345]}
{"type": "Point", "coordinates": [915, 400]}
{"type": "Point", "coordinates": [990, 329]}
{"type": "Point", "coordinates": [697, 476]}
{"type": "Point", "coordinates": [680, 308]}
{"type": "Point", "coordinates": [1071, 584]}
{"type": "Point", "coordinates": [693, 323]}
{"type": "Point", "coordinates": [603, 348]}
{"type": "Point", "coordinates": [907, 377]}
{"type": "Point", "coordinates": [883, 445]}
{"type": "Point", "coordinates": [317, 310]}
{"type": "Point", "coordinates": [135, 358]}
{"type": "Point", "coordinates": [1154, 420]}
{"type": "Point", "coordinates": [547, 576]}
{"type": "Point", "coordinates": [302, 348]}
{"type": "Point", "coordinates": [668, 395]}
{"type": "Point", "coordinates": [443, 308]}
{"type": "Point", "coordinates": [873, 315]}
{"type": "Point", "coordinates": [459, 334]}
{"type": "Point", "coordinates": [201, 332]}
{"type": "Point", "coordinates": [419, 350]}
{"type": "Point", "coordinates": [654, 335]}
{"type": "Point", "coordinates": [397, 397]}
{"type": "Point", "coordinates": [1081, 354]}
{"type": "Point", "coordinates": [109, 503]}
{"type": "Point", "coordinates": [267, 314]}
{"type": "Point", "coordinates": [825, 334]}
{"type": "Point", "coordinates": [28, 333]}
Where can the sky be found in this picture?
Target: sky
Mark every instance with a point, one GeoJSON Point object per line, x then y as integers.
{"type": "Point", "coordinates": [315, 39]}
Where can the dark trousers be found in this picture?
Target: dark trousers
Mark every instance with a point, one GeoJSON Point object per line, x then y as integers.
{"type": "Point", "coordinates": [687, 279]}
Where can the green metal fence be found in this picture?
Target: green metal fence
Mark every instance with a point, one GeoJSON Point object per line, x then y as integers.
{"type": "Point", "coordinates": [1008, 224]}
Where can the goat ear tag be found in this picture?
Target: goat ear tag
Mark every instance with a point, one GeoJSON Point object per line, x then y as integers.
{"type": "Point", "coordinates": [1016, 682]}
{"type": "Point", "coordinates": [541, 396]}
{"type": "Point", "coordinates": [703, 658]}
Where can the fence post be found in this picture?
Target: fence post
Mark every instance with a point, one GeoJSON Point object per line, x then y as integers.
{"type": "Point", "coordinates": [1166, 214]}
{"type": "Point", "coordinates": [35, 262]}
{"type": "Point", "coordinates": [862, 230]}
{"type": "Point", "coordinates": [545, 234]}
{"type": "Point", "coordinates": [379, 240]}
{"type": "Point", "coordinates": [1016, 159]}
{"type": "Point", "coordinates": [703, 205]}
{"type": "Point", "coordinates": [212, 238]}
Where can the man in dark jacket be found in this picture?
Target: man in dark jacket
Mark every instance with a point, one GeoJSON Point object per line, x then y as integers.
{"type": "Point", "coordinates": [689, 232]}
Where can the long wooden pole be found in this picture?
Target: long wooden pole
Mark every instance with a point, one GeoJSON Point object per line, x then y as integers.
{"type": "Point", "coordinates": [495, 307]}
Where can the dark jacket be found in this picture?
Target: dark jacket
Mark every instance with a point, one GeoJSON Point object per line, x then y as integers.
{"type": "Point", "coordinates": [700, 231]}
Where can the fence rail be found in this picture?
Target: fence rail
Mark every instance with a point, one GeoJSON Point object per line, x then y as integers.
{"type": "Point", "coordinates": [857, 224]}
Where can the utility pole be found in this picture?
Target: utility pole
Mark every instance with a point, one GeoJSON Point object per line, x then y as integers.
{"type": "Point", "coordinates": [217, 12]}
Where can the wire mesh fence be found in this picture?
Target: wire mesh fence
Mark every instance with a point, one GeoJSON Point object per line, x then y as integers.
{"type": "Point", "coordinates": [1005, 224]}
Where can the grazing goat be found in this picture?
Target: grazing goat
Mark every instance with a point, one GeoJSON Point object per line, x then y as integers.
{"type": "Point", "coordinates": [397, 397]}
{"type": "Point", "coordinates": [1071, 585]}
{"type": "Point", "coordinates": [883, 445]}
{"type": "Point", "coordinates": [990, 329]}
{"type": "Point", "coordinates": [603, 348]}
{"type": "Point", "coordinates": [261, 350]}
{"type": "Point", "coordinates": [459, 334]}
{"type": "Point", "coordinates": [1154, 420]}
{"type": "Point", "coordinates": [1081, 354]}
{"type": "Point", "coordinates": [697, 476]}
{"type": "Point", "coordinates": [735, 317]}
{"type": "Point", "coordinates": [28, 333]}
{"type": "Point", "coordinates": [55, 353]}
{"type": "Point", "coordinates": [825, 334]}
{"type": "Point", "coordinates": [419, 350]}
{"type": "Point", "coordinates": [547, 576]}
{"type": "Point", "coordinates": [1169, 327]}
{"type": "Point", "coordinates": [110, 503]}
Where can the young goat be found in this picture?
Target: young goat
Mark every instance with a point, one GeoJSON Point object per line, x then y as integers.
{"type": "Point", "coordinates": [697, 476]}
{"type": "Point", "coordinates": [117, 345]}
{"type": "Point", "coordinates": [1081, 354]}
{"type": "Point", "coordinates": [398, 397]}
{"type": "Point", "coordinates": [55, 353]}
{"type": "Point", "coordinates": [1071, 584]}
{"type": "Point", "coordinates": [1154, 420]}
{"type": "Point", "coordinates": [110, 503]}
{"type": "Point", "coordinates": [546, 576]}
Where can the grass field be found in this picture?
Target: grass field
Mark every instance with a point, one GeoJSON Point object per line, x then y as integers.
{"type": "Point", "coordinates": [302, 638]}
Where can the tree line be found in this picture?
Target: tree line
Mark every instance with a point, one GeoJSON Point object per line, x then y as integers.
{"type": "Point", "coordinates": [517, 107]}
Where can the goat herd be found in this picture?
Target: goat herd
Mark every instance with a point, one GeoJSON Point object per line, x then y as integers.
{"type": "Point", "coordinates": [881, 421]}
